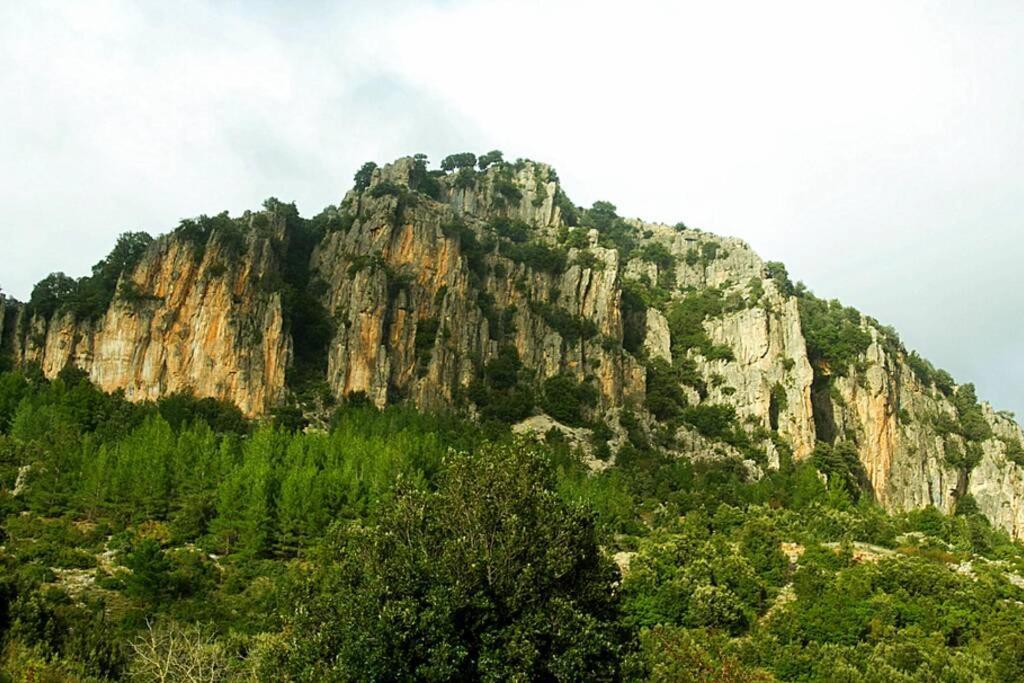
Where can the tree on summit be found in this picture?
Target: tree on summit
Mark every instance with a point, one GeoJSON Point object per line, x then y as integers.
{"type": "Point", "coordinates": [364, 175]}
{"type": "Point", "coordinates": [454, 161]}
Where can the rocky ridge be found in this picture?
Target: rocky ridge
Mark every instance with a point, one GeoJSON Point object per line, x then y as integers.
{"type": "Point", "coordinates": [488, 291]}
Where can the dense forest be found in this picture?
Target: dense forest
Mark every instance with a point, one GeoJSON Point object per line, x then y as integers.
{"type": "Point", "coordinates": [177, 540]}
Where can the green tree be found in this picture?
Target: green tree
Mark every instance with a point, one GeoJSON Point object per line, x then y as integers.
{"type": "Point", "coordinates": [150, 577]}
{"type": "Point", "coordinates": [454, 161]}
{"type": "Point", "coordinates": [563, 398]}
{"type": "Point", "coordinates": [491, 577]}
{"type": "Point", "coordinates": [50, 293]}
{"type": "Point", "coordinates": [492, 157]}
{"type": "Point", "coordinates": [364, 175]}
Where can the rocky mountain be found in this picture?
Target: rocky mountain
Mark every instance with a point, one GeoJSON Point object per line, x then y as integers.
{"type": "Point", "coordinates": [484, 289]}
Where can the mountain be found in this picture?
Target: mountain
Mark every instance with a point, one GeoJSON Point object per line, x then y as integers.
{"type": "Point", "coordinates": [483, 288]}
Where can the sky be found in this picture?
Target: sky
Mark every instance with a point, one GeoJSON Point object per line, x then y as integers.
{"type": "Point", "coordinates": [876, 148]}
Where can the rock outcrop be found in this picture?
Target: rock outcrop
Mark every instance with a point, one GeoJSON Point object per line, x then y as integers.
{"type": "Point", "coordinates": [486, 291]}
{"type": "Point", "coordinates": [188, 318]}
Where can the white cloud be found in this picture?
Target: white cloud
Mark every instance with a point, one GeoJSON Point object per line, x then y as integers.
{"type": "Point", "coordinates": [874, 147]}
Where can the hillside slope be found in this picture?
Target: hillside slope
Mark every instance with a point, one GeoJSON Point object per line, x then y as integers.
{"type": "Point", "coordinates": [488, 291]}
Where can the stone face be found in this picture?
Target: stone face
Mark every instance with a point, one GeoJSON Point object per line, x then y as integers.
{"type": "Point", "coordinates": [195, 323]}
{"type": "Point", "coordinates": [770, 379]}
{"type": "Point", "coordinates": [423, 291]}
{"type": "Point", "coordinates": [657, 340]}
{"type": "Point", "coordinates": [904, 456]}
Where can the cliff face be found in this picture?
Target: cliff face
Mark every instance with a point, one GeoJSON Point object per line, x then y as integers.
{"type": "Point", "coordinates": [391, 276]}
{"type": "Point", "coordinates": [895, 421]}
{"type": "Point", "coordinates": [478, 290]}
{"type": "Point", "coordinates": [186, 319]}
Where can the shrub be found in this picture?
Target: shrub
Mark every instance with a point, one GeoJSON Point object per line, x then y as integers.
{"type": "Point", "coordinates": [777, 272]}
{"type": "Point", "coordinates": [507, 190]}
{"type": "Point", "coordinates": [709, 251]}
{"type": "Point", "coordinates": [571, 327]}
{"type": "Point", "coordinates": [588, 260]}
{"type": "Point", "coordinates": [613, 231]}
{"type": "Point", "coordinates": [423, 181]}
{"type": "Point", "coordinates": [712, 421]}
{"type": "Point", "coordinates": [663, 396]}
{"type": "Point", "coordinates": [833, 333]}
{"type": "Point", "coordinates": [1014, 451]}
{"type": "Point", "coordinates": [426, 334]}
{"type": "Point", "coordinates": [90, 297]}
{"type": "Point", "coordinates": [564, 398]}
{"type": "Point", "coordinates": [511, 229]}
{"type": "Point", "coordinates": [686, 324]}
{"type": "Point", "coordinates": [465, 178]}
{"type": "Point", "coordinates": [386, 188]}
{"type": "Point", "coordinates": [567, 210]}
{"type": "Point", "coordinates": [841, 464]}
{"type": "Point", "coordinates": [536, 255]}
{"type": "Point", "coordinates": [659, 255]}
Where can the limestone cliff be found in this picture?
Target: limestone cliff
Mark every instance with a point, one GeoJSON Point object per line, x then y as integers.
{"type": "Point", "coordinates": [897, 422]}
{"type": "Point", "coordinates": [490, 292]}
{"type": "Point", "coordinates": [189, 317]}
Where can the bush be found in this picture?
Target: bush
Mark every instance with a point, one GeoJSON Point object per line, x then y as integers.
{"type": "Point", "coordinates": [663, 397]}
{"type": "Point", "coordinates": [89, 298]}
{"type": "Point", "coordinates": [426, 334]}
{"type": "Point", "coordinates": [613, 231]}
{"type": "Point", "coordinates": [1014, 450]}
{"type": "Point", "coordinates": [386, 188]}
{"type": "Point", "coordinates": [567, 210]}
{"type": "Point", "coordinates": [571, 327]}
{"type": "Point", "coordinates": [564, 398]}
{"type": "Point", "coordinates": [501, 394]}
{"type": "Point", "coordinates": [423, 181]}
{"type": "Point", "coordinates": [712, 421]}
{"type": "Point", "coordinates": [507, 190]}
{"type": "Point", "coordinates": [833, 332]}
{"type": "Point", "coordinates": [465, 178]}
{"type": "Point", "coordinates": [182, 409]}
{"type": "Point", "coordinates": [686, 324]}
{"type": "Point", "coordinates": [511, 229]}
{"type": "Point", "coordinates": [841, 463]}
{"type": "Point", "coordinates": [536, 255]}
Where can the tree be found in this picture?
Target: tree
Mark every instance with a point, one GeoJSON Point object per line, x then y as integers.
{"type": "Point", "coordinates": [492, 576]}
{"type": "Point", "coordinates": [423, 180]}
{"type": "Point", "coordinates": [125, 255]}
{"type": "Point", "coordinates": [664, 398]}
{"type": "Point", "coordinates": [454, 161]}
{"type": "Point", "coordinates": [973, 425]}
{"type": "Point", "coordinates": [493, 157]}
{"type": "Point", "coordinates": [364, 175]}
{"type": "Point", "coordinates": [563, 398]}
{"type": "Point", "coordinates": [50, 293]}
{"type": "Point", "coordinates": [841, 463]}
{"type": "Point", "coordinates": [150, 578]}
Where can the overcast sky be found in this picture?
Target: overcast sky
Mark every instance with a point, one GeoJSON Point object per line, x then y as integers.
{"type": "Point", "coordinates": [877, 148]}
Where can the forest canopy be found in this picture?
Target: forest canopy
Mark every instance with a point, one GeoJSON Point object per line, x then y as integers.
{"type": "Point", "coordinates": [401, 545]}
